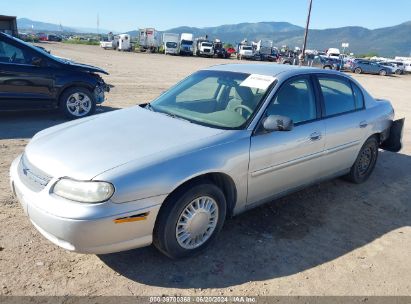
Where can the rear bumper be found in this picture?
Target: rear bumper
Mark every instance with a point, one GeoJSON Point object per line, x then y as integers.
{"type": "Point", "coordinates": [86, 228]}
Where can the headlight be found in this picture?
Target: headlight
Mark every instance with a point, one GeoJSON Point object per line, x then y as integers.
{"type": "Point", "coordinates": [83, 191]}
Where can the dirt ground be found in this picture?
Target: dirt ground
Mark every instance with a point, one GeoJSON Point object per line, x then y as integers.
{"type": "Point", "coordinates": [334, 238]}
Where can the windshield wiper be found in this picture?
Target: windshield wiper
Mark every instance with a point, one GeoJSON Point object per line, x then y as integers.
{"type": "Point", "coordinates": [176, 116]}
{"type": "Point", "coordinates": [149, 107]}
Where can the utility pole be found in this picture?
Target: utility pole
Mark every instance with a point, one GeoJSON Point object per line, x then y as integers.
{"type": "Point", "coordinates": [306, 31]}
{"type": "Point", "coordinates": [98, 24]}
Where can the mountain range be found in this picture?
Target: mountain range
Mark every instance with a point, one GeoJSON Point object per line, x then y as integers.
{"type": "Point", "coordinates": [388, 41]}
{"type": "Point", "coordinates": [28, 24]}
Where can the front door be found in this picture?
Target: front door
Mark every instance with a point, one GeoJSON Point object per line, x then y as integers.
{"type": "Point", "coordinates": [284, 160]}
{"type": "Point", "coordinates": [22, 84]}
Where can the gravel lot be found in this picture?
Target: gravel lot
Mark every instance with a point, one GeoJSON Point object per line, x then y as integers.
{"type": "Point", "coordinates": [334, 238]}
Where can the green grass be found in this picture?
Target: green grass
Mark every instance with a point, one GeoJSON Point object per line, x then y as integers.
{"type": "Point", "coordinates": [85, 42]}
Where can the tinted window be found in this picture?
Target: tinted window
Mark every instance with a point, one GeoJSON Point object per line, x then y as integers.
{"type": "Point", "coordinates": [338, 96]}
{"type": "Point", "coordinates": [295, 100]}
{"type": "Point", "coordinates": [12, 54]}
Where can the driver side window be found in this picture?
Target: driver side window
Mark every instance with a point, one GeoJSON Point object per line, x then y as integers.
{"type": "Point", "coordinates": [295, 100]}
{"type": "Point", "coordinates": [11, 54]}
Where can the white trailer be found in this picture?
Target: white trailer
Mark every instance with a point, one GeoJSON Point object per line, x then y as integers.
{"type": "Point", "coordinates": [170, 43]}
{"type": "Point", "coordinates": [264, 47]}
{"type": "Point", "coordinates": [150, 40]}
{"type": "Point", "coordinates": [124, 42]}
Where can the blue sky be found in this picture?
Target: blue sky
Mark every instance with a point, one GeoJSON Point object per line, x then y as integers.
{"type": "Point", "coordinates": [124, 15]}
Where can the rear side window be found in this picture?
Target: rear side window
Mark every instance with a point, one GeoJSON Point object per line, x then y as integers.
{"type": "Point", "coordinates": [358, 96]}
{"type": "Point", "coordinates": [338, 96]}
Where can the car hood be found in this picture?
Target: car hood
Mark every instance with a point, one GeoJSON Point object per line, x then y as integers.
{"type": "Point", "coordinates": [85, 67]}
{"type": "Point", "coordinates": [85, 148]}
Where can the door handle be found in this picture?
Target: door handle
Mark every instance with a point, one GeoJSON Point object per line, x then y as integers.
{"type": "Point", "coordinates": [315, 136]}
{"type": "Point", "coordinates": [363, 124]}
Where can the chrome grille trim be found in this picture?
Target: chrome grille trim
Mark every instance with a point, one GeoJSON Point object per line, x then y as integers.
{"type": "Point", "coordinates": [32, 177]}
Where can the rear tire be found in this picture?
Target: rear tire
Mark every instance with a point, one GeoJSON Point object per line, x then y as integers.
{"type": "Point", "coordinates": [365, 163]}
{"type": "Point", "coordinates": [383, 73]}
{"type": "Point", "coordinates": [77, 102]}
{"type": "Point", "coordinates": [184, 227]}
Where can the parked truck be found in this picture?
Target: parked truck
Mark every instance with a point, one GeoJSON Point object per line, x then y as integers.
{"type": "Point", "coordinates": [186, 44]}
{"type": "Point", "coordinates": [264, 49]}
{"type": "Point", "coordinates": [219, 50]}
{"type": "Point", "coordinates": [150, 40]}
{"type": "Point", "coordinates": [245, 50]}
{"type": "Point", "coordinates": [8, 25]}
{"type": "Point", "coordinates": [170, 43]}
{"type": "Point", "coordinates": [203, 47]}
{"type": "Point", "coordinates": [110, 42]}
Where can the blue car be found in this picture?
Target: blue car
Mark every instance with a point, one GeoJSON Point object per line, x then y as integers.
{"type": "Point", "coordinates": [360, 66]}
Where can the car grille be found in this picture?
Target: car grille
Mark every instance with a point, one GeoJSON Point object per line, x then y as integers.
{"type": "Point", "coordinates": [207, 50]}
{"type": "Point", "coordinates": [32, 177]}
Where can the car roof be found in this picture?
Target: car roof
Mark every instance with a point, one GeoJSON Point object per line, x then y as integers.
{"type": "Point", "coordinates": [270, 69]}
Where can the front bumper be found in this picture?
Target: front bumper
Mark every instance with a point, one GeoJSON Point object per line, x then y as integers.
{"type": "Point", "coordinates": [100, 90]}
{"type": "Point", "coordinates": [86, 228]}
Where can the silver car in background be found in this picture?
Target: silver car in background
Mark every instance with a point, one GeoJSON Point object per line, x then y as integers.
{"type": "Point", "coordinates": [224, 140]}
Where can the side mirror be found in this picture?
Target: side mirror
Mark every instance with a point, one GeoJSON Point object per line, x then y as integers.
{"type": "Point", "coordinates": [37, 61]}
{"type": "Point", "coordinates": [278, 123]}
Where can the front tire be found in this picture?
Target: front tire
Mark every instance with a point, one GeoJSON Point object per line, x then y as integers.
{"type": "Point", "coordinates": [365, 163]}
{"type": "Point", "coordinates": [190, 220]}
{"type": "Point", "coordinates": [77, 102]}
{"type": "Point", "coordinates": [358, 71]}
{"type": "Point", "coordinates": [383, 73]}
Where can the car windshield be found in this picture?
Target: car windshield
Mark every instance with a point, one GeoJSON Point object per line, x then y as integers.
{"type": "Point", "coordinates": [247, 48]}
{"type": "Point", "coordinates": [171, 44]}
{"type": "Point", "coordinates": [207, 44]}
{"type": "Point", "coordinates": [218, 99]}
{"type": "Point", "coordinates": [186, 42]}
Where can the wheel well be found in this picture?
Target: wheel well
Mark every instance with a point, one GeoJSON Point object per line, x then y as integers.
{"type": "Point", "coordinates": [221, 180]}
{"type": "Point", "coordinates": [73, 86]}
{"type": "Point", "coordinates": [378, 136]}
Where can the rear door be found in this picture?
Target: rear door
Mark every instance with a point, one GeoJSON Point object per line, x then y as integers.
{"type": "Point", "coordinates": [284, 160]}
{"type": "Point", "coordinates": [22, 84]}
{"type": "Point", "coordinates": [345, 123]}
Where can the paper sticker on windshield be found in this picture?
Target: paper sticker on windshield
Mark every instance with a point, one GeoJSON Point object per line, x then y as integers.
{"type": "Point", "coordinates": [258, 81]}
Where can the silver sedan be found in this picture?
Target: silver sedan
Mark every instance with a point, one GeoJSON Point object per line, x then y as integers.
{"type": "Point", "coordinates": [224, 140]}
